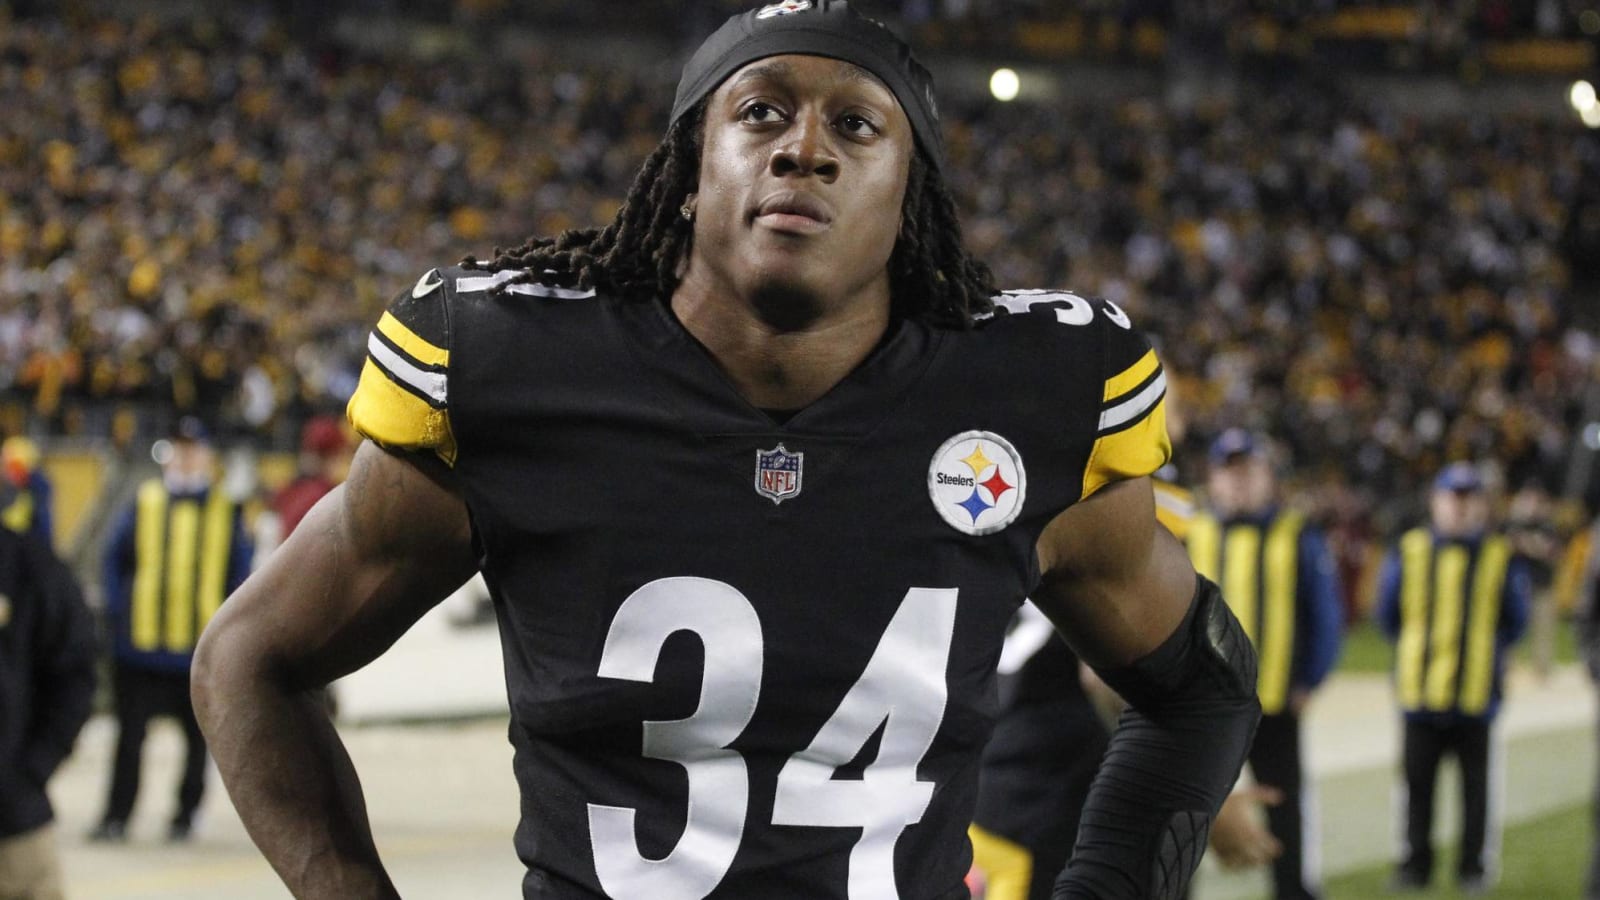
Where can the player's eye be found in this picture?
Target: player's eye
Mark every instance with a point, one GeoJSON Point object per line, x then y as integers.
{"type": "Point", "coordinates": [857, 125]}
{"type": "Point", "coordinates": [760, 113]}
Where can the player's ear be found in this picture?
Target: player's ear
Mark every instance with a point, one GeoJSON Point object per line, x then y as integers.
{"type": "Point", "coordinates": [690, 203]}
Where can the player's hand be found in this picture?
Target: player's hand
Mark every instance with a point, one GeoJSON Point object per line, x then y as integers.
{"type": "Point", "coordinates": [1299, 698]}
{"type": "Point", "coordinates": [1239, 836]}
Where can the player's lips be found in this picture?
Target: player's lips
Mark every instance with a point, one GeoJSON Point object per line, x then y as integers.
{"type": "Point", "coordinates": [794, 212]}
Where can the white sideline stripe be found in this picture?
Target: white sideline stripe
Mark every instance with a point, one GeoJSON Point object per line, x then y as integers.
{"type": "Point", "coordinates": [467, 284]}
{"type": "Point", "coordinates": [1495, 803]}
{"type": "Point", "coordinates": [433, 384]}
{"type": "Point", "coordinates": [1310, 831]}
{"type": "Point", "coordinates": [1135, 406]}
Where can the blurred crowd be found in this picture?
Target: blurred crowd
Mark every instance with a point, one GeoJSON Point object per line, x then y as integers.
{"type": "Point", "coordinates": [1475, 19]}
{"type": "Point", "coordinates": [1384, 293]}
{"type": "Point", "coordinates": [206, 218]}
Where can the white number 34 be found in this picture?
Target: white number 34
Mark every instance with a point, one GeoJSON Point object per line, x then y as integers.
{"type": "Point", "coordinates": [902, 689]}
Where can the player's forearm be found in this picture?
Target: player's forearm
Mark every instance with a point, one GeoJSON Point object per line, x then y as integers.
{"type": "Point", "coordinates": [1174, 757]}
{"type": "Point", "coordinates": [289, 776]}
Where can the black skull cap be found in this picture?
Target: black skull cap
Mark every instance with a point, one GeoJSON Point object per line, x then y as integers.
{"type": "Point", "coordinates": [817, 28]}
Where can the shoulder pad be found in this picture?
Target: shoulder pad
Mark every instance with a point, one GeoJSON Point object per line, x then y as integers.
{"type": "Point", "coordinates": [1126, 382]}
{"type": "Point", "coordinates": [403, 397]}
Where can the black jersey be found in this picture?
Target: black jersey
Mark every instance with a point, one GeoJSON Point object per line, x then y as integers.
{"type": "Point", "coordinates": [750, 659]}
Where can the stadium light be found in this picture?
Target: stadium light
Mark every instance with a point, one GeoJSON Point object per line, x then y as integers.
{"type": "Point", "coordinates": [1004, 84]}
{"type": "Point", "coordinates": [1582, 96]}
{"type": "Point", "coordinates": [1585, 103]}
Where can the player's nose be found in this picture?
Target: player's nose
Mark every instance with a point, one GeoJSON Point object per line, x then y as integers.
{"type": "Point", "coordinates": [806, 149]}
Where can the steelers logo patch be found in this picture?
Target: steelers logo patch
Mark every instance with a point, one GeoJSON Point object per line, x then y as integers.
{"type": "Point", "coordinates": [977, 482]}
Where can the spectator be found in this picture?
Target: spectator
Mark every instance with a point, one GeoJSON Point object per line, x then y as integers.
{"type": "Point", "coordinates": [324, 459]}
{"type": "Point", "coordinates": [46, 685]}
{"type": "Point", "coordinates": [1279, 576]}
{"type": "Point", "coordinates": [1454, 597]}
{"type": "Point", "coordinates": [175, 554]}
{"type": "Point", "coordinates": [28, 509]}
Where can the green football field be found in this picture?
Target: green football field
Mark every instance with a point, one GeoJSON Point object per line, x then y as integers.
{"type": "Point", "coordinates": [1544, 859]}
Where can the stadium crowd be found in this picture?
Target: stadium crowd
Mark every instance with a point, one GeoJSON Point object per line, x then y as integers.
{"type": "Point", "coordinates": [206, 218]}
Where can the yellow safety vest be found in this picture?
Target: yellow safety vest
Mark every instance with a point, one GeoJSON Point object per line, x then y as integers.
{"type": "Point", "coordinates": [182, 551]}
{"type": "Point", "coordinates": [18, 515]}
{"type": "Point", "coordinates": [1258, 570]}
{"type": "Point", "coordinates": [1174, 507]}
{"type": "Point", "coordinates": [1449, 620]}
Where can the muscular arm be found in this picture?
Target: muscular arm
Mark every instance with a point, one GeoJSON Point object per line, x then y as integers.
{"type": "Point", "coordinates": [1123, 594]}
{"type": "Point", "coordinates": [1115, 583]}
{"type": "Point", "coordinates": [366, 563]}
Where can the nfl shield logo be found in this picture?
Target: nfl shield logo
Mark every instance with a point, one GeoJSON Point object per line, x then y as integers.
{"type": "Point", "coordinates": [778, 473]}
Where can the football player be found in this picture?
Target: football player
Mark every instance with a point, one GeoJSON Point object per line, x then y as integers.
{"type": "Point", "coordinates": [757, 475]}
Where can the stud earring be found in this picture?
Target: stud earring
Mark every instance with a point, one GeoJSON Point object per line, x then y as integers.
{"type": "Point", "coordinates": [687, 211]}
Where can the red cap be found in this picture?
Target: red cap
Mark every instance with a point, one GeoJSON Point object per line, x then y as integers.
{"type": "Point", "coordinates": [323, 436]}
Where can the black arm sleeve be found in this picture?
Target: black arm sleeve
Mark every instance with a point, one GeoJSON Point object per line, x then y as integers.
{"type": "Point", "coordinates": [1174, 757]}
{"type": "Point", "coordinates": [64, 663]}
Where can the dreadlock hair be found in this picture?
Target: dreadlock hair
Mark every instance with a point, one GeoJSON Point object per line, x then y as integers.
{"type": "Point", "coordinates": [931, 276]}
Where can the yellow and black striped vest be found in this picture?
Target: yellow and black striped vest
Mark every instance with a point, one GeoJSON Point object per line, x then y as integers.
{"type": "Point", "coordinates": [182, 550]}
{"type": "Point", "coordinates": [1258, 569]}
{"type": "Point", "coordinates": [1449, 622]}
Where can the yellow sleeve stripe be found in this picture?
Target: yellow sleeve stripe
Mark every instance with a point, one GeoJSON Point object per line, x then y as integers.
{"type": "Point", "coordinates": [1132, 377]}
{"type": "Point", "coordinates": [394, 416]}
{"type": "Point", "coordinates": [1130, 450]}
{"type": "Point", "coordinates": [415, 346]}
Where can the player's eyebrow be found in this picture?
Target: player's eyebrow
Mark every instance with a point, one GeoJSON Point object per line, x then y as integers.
{"type": "Point", "coordinates": [782, 71]}
{"type": "Point", "coordinates": [772, 71]}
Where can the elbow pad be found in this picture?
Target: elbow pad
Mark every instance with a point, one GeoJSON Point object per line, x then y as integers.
{"type": "Point", "coordinates": [1175, 755]}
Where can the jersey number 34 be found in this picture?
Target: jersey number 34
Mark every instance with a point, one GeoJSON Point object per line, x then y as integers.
{"type": "Point", "coordinates": [902, 689]}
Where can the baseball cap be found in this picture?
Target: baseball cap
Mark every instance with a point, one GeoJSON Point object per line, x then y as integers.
{"type": "Point", "coordinates": [1234, 443]}
{"type": "Point", "coordinates": [1462, 477]}
{"type": "Point", "coordinates": [816, 28]}
{"type": "Point", "coordinates": [322, 436]}
{"type": "Point", "coordinates": [191, 428]}
{"type": "Point", "coordinates": [19, 457]}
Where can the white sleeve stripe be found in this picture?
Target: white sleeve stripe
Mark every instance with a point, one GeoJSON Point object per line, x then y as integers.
{"type": "Point", "coordinates": [486, 282]}
{"type": "Point", "coordinates": [544, 290]}
{"type": "Point", "coordinates": [490, 282]}
{"type": "Point", "coordinates": [434, 385]}
{"type": "Point", "coordinates": [1135, 406]}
